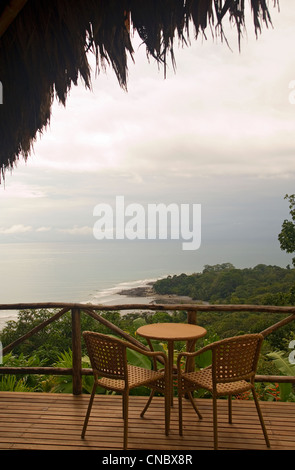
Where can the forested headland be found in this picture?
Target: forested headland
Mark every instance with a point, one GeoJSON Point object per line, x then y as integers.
{"type": "Point", "coordinates": [225, 284]}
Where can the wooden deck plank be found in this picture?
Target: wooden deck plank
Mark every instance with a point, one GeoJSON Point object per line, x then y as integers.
{"type": "Point", "coordinates": [54, 422]}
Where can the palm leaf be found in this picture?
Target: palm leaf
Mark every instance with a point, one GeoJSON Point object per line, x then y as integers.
{"type": "Point", "coordinates": [282, 363]}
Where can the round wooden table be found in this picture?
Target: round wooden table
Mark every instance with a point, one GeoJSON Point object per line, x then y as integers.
{"type": "Point", "coordinates": [171, 332]}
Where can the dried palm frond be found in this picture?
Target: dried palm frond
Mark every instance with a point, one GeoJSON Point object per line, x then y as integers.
{"type": "Point", "coordinates": [44, 50]}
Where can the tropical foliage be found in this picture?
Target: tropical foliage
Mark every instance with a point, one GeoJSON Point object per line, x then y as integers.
{"type": "Point", "coordinates": [36, 352]}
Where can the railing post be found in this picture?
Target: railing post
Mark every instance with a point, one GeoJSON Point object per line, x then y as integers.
{"type": "Point", "coordinates": [192, 317]}
{"type": "Point", "coordinates": [77, 352]}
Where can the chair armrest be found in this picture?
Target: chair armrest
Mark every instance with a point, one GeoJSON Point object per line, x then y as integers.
{"type": "Point", "coordinates": [191, 354]}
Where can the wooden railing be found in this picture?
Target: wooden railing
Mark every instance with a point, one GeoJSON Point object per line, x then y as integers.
{"type": "Point", "coordinates": [94, 311]}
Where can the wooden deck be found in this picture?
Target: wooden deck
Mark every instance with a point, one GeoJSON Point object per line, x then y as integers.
{"type": "Point", "coordinates": [35, 421]}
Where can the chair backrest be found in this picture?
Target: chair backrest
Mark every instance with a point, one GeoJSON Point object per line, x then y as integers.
{"type": "Point", "coordinates": [107, 355]}
{"type": "Point", "coordinates": [236, 358]}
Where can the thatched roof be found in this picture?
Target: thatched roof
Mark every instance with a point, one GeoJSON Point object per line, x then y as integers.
{"type": "Point", "coordinates": [44, 46]}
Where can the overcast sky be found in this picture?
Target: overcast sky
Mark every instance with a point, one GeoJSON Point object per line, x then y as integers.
{"type": "Point", "coordinates": [219, 132]}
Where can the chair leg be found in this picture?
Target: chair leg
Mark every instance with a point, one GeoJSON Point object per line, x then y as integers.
{"type": "Point", "coordinates": [229, 409]}
{"type": "Point", "coordinates": [125, 415]}
{"type": "Point", "coordinates": [215, 430]}
{"type": "Point", "coordinates": [88, 410]}
{"type": "Point", "coordinates": [260, 417]}
{"type": "Point", "coordinates": [180, 412]}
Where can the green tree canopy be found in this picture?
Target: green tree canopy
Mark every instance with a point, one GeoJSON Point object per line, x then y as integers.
{"type": "Point", "coordinates": [223, 283]}
{"type": "Point", "coordinates": [287, 235]}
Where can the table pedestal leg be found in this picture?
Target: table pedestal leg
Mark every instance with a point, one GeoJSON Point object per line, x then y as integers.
{"type": "Point", "coordinates": [170, 365]}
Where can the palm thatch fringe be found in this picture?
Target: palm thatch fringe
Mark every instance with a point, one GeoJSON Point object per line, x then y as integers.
{"type": "Point", "coordinates": [44, 50]}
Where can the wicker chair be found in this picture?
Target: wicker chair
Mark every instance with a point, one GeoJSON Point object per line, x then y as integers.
{"type": "Point", "coordinates": [108, 357]}
{"type": "Point", "coordinates": [234, 364]}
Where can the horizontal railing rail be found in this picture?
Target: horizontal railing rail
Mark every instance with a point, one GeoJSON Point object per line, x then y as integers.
{"type": "Point", "coordinates": [92, 310]}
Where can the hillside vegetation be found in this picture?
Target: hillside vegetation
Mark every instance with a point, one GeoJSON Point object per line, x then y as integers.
{"type": "Point", "coordinates": [225, 284]}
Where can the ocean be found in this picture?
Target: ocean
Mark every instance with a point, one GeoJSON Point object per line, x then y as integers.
{"type": "Point", "coordinates": [79, 272]}
{"type": "Point", "coordinates": [96, 272]}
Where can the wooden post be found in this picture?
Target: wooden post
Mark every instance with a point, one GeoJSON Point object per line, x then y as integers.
{"type": "Point", "coordinates": [192, 317]}
{"type": "Point", "coordinates": [77, 352]}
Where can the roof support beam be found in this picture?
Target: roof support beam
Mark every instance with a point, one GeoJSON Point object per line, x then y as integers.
{"type": "Point", "coordinates": [10, 12]}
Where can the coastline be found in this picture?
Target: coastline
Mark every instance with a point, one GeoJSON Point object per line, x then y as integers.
{"type": "Point", "coordinates": [148, 292]}
{"type": "Point", "coordinates": [140, 291]}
